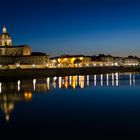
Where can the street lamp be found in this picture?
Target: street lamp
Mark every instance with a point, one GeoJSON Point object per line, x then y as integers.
{"type": "Point", "coordinates": [33, 65]}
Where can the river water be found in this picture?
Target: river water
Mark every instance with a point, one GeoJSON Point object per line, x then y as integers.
{"type": "Point", "coordinates": [100, 106]}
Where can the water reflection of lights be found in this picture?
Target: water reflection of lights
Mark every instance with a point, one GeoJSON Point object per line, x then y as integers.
{"type": "Point", "coordinates": [87, 80]}
{"type": "Point", "coordinates": [7, 108]}
{"type": "Point", "coordinates": [112, 76]}
{"type": "Point", "coordinates": [54, 82]}
{"type": "Point", "coordinates": [34, 84]}
{"type": "Point", "coordinates": [7, 100]}
{"type": "Point", "coordinates": [74, 81]}
{"type": "Point", "coordinates": [28, 95]}
{"type": "Point", "coordinates": [95, 80]}
{"type": "Point", "coordinates": [0, 87]}
{"type": "Point", "coordinates": [107, 77]}
{"type": "Point", "coordinates": [117, 79]}
{"type": "Point", "coordinates": [130, 79]}
{"type": "Point", "coordinates": [117, 76]}
{"type": "Point", "coordinates": [112, 79]}
{"type": "Point", "coordinates": [54, 79]}
{"type": "Point", "coordinates": [107, 80]}
{"type": "Point", "coordinates": [84, 81]}
{"type": "Point", "coordinates": [117, 82]}
{"type": "Point", "coordinates": [18, 83]}
{"type": "Point", "coordinates": [8, 97]}
{"type": "Point", "coordinates": [66, 82]}
{"type": "Point", "coordinates": [101, 80]}
{"type": "Point", "coordinates": [101, 77]}
{"type": "Point", "coordinates": [70, 80]}
{"type": "Point", "coordinates": [60, 82]}
{"type": "Point", "coordinates": [48, 83]}
{"type": "Point", "coordinates": [133, 80]}
{"type": "Point", "coordinates": [81, 81]}
{"type": "Point", "coordinates": [95, 77]}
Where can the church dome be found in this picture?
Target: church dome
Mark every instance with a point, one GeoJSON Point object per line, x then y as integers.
{"type": "Point", "coordinates": [5, 38]}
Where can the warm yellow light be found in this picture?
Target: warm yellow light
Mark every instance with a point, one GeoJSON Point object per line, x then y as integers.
{"type": "Point", "coordinates": [28, 95]}
{"type": "Point", "coordinates": [18, 65]}
{"type": "Point", "coordinates": [81, 58]}
{"type": "Point", "coordinates": [33, 65]}
{"type": "Point", "coordinates": [54, 61]}
{"type": "Point", "coordinates": [58, 59]}
{"type": "Point", "coordinates": [116, 64]}
{"type": "Point", "coordinates": [73, 59]}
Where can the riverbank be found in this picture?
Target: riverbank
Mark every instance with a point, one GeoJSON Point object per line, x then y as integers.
{"type": "Point", "coordinates": [14, 74]}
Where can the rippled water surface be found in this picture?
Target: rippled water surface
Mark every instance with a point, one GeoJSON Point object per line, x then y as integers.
{"type": "Point", "coordinates": [96, 105]}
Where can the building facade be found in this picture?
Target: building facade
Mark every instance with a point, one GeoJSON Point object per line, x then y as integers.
{"type": "Point", "coordinates": [70, 61]}
{"type": "Point", "coordinates": [19, 56]}
{"type": "Point", "coordinates": [131, 62]}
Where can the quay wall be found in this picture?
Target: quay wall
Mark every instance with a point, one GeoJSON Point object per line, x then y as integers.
{"type": "Point", "coordinates": [50, 72]}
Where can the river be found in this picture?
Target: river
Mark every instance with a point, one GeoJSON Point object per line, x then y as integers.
{"type": "Point", "coordinates": [100, 106]}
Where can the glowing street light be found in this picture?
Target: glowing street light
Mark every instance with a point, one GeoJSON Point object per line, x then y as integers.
{"type": "Point", "coordinates": [33, 65]}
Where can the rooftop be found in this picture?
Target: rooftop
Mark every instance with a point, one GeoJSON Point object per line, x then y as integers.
{"type": "Point", "coordinates": [68, 56]}
{"type": "Point", "coordinates": [19, 46]}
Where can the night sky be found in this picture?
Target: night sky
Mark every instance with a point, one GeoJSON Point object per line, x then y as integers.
{"type": "Point", "coordinates": [74, 26]}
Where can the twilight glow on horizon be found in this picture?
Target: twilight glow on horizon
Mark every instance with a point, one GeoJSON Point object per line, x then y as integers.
{"type": "Point", "coordinates": [86, 27]}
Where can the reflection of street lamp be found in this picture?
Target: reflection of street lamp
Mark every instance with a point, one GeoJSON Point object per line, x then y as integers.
{"type": "Point", "coordinates": [34, 83]}
{"type": "Point", "coordinates": [18, 83]}
{"type": "Point", "coordinates": [0, 87]}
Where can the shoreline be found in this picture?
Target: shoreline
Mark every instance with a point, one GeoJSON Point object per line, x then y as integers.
{"type": "Point", "coordinates": [16, 74]}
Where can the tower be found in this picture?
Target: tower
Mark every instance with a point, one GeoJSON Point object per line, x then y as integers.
{"type": "Point", "coordinates": [5, 39]}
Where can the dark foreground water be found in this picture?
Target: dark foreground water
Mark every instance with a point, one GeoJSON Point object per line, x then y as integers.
{"type": "Point", "coordinates": [101, 106]}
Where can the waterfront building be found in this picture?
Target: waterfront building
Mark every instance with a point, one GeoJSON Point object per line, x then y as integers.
{"type": "Point", "coordinates": [19, 56]}
{"type": "Point", "coordinates": [98, 63]}
{"type": "Point", "coordinates": [108, 60]}
{"type": "Point", "coordinates": [118, 61]}
{"type": "Point", "coordinates": [70, 61]}
{"type": "Point", "coordinates": [131, 61]}
{"type": "Point", "coordinates": [105, 60]}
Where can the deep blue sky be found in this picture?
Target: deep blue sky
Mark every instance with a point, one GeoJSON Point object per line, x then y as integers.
{"type": "Point", "coordinates": [74, 26]}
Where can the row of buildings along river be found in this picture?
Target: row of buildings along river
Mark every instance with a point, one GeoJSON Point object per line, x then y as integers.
{"type": "Point", "coordinates": [12, 57]}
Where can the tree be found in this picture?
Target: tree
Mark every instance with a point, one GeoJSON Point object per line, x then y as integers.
{"type": "Point", "coordinates": [77, 61]}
